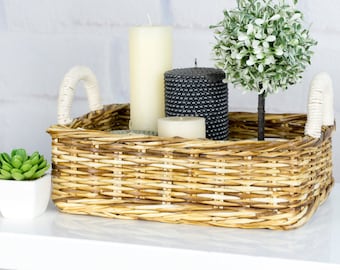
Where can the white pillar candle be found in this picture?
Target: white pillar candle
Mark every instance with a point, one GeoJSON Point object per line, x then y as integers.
{"type": "Point", "coordinates": [150, 57]}
{"type": "Point", "coordinates": [186, 127]}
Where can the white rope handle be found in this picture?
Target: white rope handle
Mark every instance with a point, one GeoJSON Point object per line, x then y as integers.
{"type": "Point", "coordinates": [320, 105]}
{"type": "Point", "coordinates": [66, 92]}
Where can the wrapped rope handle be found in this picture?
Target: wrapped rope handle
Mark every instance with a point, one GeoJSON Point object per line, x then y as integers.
{"type": "Point", "coordinates": [66, 92]}
{"type": "Point", "coordinates": [320, 105]}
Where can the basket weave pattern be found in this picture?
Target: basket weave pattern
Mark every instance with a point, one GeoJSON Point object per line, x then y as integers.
{"type": "Point", "coordinates": [238, 183]}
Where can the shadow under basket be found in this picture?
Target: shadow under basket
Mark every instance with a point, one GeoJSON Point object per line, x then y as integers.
{"type": "Point", "coordinates": [243, 183]}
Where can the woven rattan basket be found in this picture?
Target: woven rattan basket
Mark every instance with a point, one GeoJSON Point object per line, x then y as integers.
{"type": "Point", "coordinates": [240, 183]}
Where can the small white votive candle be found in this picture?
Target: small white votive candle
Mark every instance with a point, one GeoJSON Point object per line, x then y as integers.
{"type": "Point", "coordinates": [182, 126]}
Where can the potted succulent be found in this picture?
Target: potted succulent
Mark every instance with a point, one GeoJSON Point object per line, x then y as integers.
{"type": "Point", "coordinates": [25, 185]}
{"type": "Point", "coordinates": [262, 46]}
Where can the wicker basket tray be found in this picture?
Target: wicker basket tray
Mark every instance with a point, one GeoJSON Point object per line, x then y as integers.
{"type": "Point", "coordinates": [240, 183]}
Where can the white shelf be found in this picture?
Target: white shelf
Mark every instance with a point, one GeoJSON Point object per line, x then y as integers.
{"type": "Point", "coordinates": [63, 241]}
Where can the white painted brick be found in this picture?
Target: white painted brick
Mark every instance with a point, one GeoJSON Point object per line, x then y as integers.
{"type": "Point", "coordinates": [327, 58]}
{"type": "Point", "coordinates": [26, 122]}
{"type": "Point", "coordinates": [3, 17]}
{"type": "Point", "coordinates": [322, 15]}
{"type": "Point", "coordinates": [290, 101]}
{"type": "Point", "coordinates": [118, 66]}
{"type": "Point", "coordinates": [190, 44]}
{"type": "Point", "coordinates": [34, 65]}
{"type": "Point", "coordinates": [79, 15]}
{"type": "Point", "coordinates": [198, 13]}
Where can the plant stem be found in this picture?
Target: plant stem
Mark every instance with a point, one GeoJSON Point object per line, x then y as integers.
{"type": "Point", "coordinates": [260, 115]}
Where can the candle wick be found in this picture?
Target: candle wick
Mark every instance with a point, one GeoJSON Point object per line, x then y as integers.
{"type": "Point", "coordinates": [195, 62]}
{"type": "Point", "coordinates": [149, 19]}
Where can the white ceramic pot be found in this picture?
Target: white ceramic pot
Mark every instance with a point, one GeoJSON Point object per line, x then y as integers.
{"type": "Point", "coordinates": [24, 199]}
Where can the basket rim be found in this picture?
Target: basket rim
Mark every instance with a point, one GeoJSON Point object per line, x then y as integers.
{"type": "Point", "coordinates": [82, 133]}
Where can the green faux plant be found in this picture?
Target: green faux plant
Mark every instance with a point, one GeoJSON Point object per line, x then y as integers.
{"type": "Point", "coordinates": [19, 166]}
{"type": "Point", "coordinates": [262, 46]}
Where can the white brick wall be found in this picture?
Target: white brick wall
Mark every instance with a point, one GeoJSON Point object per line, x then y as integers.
{"type": "Point", "coordinates": [199, 13]}
{"type": "Point", "coordinates": [41, 39]}
{"type": "Point", "coordinates": [88, 16]}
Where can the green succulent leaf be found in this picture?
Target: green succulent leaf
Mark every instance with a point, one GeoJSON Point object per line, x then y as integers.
{"type": "Point", "coordinates": [4, 157]}
{"type": "Point", "coordinates": [15, 170]}
{"type": "Point", "coordinates": [4, 177]}
{"type": "Point", "coordinates": [39, 173]}
{"type": "Point", "coordinates": [31, 172]}
{"type": "Point", "coordinates": [26, 166]}
{"type": "Point", "coordinates": [13, 152]}
{"type": "Point", "coordinates": [17, 161]}
{"type": "Point", "coordinates": [35, 159]}
{"type": "Point", "coordinates": [42, 164]}
{"type": "Point", "coordinates": [22, 153]}
{"type": "Point", "coordinates": [20, 166]}
{"type": "Point", "coordinates": [6, 166]}
{"type": "Point", "coordinates": [18, 176]}
{"type": "Point", "coordinates": [36, 153]}
{"type": "Point", "coordinates": [5, 174]}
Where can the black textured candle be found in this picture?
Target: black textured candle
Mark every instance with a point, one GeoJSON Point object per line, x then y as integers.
{"type": "Point", "coordinates": [200, 92]}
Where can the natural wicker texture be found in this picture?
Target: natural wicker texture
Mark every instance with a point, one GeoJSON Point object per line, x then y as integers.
{"type": "Point", "coordinates": [240, 183]}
